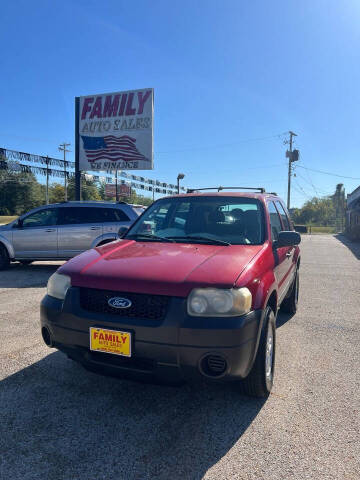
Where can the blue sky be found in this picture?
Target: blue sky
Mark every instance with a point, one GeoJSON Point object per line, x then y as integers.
{"type": "Point", "coordinates": [229, 77]}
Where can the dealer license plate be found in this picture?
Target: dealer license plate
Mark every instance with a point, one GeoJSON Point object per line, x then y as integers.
{"type": "Point", "coordinates": [110, 341]}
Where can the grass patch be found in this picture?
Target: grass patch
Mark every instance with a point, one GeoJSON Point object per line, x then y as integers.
{"type": "Point", "coordinates": [314, 229]}
{"type": "Point", "coordinates": [6, 219]}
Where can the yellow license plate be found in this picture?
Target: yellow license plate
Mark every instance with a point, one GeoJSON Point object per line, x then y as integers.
{"type": "Point", "coordinates": [110, 341]}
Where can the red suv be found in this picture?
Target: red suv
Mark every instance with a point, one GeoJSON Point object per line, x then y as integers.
{"type": "Point", "coordinates": [190, 291]}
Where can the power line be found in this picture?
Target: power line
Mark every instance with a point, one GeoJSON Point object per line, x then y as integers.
{"type": "Point", "coordinates": [306, 194]}
{"type": "Point", "coordinates": [328, 173]}
{"type": "Point", "coordinates": [300, 192]}
{"type": "Point", "coordinates": [207, 147]}
{"type": "Point", "coordinates": [316, 189]}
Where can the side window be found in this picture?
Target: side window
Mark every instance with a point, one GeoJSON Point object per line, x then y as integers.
{"type": "Point", "coordinates": [155, 220]}
{"type": "Point", "coordinates": [79, 215]}
{"type": "Point", "coordinates": [114, 215]}
{"type": "Point", "coordinates": [275, 222]}
{"type": "Point", "coordinates": [43, 218]}
{"type": "Point", "coordinates": [283, 216]}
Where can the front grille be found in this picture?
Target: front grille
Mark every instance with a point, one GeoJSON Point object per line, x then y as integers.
{"type": "Point", "coordinates": [152, 307]}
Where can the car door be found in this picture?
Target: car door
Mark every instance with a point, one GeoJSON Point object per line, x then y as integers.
{"type": "Point", "coordinates": [113, 219]}
{"type": "Point", "coordinates": [289, 251]}
{"type": "Point", "coordinates": [281, 269]}
{"type": "Point", "coordinates": [35, 236]}
{"type": "Point", "coordinates": [78, 227]}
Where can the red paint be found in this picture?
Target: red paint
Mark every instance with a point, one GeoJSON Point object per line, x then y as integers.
{"type": "Point", "coordinates": [86, 107]}
{"type": "Point", "coordinates": [111, 106]}
{"type": "Point", "coordinates": [130, 110]}
{"type": "Point", "coordinates": [97, 108]}
{"type": "Point", "coordinates": [142, 100]}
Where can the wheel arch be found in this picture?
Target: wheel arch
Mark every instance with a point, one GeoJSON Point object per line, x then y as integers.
{"type": "Point", "coordinates": [272, 301]}
{"type": "Point", "coordinates": [104, 238]}
{"type": "Point", "coordinates": [8, 247]}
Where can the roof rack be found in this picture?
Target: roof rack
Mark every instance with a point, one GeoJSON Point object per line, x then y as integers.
{"type": "Point", "coordinates": [260, 189]}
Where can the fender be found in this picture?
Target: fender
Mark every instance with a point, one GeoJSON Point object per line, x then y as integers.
{"type": "Point", "coordinates": [8, 246]}
{"type": "Point", "coordinates": [265, 287]}
{"type": "Point", "coordinates": [111, 236]}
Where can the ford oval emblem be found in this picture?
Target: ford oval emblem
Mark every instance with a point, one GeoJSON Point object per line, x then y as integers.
{"type": "Point", "coordinates": [119, 302]}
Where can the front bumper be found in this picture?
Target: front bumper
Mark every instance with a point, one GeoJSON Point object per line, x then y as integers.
{"type": "Point", "coordinates": [177, 348]}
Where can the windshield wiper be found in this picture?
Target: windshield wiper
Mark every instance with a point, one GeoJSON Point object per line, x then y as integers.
{"type": "Point", "coordinates": [145, 236]}
{"type": "Point", "coordinates": [214, 241]}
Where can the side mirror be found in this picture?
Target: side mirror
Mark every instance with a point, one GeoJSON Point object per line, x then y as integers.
{"type": "Point", "coordinates": [122, 231]}
{"type": "Point", "coordinates": [18, 223]}
{"type": "Point", "coordinates": [288, 239]}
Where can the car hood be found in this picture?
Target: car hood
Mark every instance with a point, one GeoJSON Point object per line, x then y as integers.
{"type": "Point", "coordinates": [159, 268]}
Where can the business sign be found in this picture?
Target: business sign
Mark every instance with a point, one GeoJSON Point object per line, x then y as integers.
{"type": "Point", "coordinates": [116, 131]}
{"type": "Point", "coordinates": [123, 190]}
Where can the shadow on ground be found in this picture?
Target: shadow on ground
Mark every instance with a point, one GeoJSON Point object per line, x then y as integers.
{"type": "Point", "coordinates": [353, 246]}
{"type": "Point", "coordinates": [27, 276]}
{"type": "Point", "coordinates": [60, 421]}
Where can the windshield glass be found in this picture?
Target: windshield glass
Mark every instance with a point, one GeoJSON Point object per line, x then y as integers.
{"type": "Point", "coordinates": [224, 220]}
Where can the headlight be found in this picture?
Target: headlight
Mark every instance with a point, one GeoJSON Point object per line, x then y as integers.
{"type": "Point", "coordinates": [214, 302]}
{"type": "Point", "coordinates": [58, 285]}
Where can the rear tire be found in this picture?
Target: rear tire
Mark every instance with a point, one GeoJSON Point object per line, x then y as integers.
{"type": "Point", "coordinates": [260, 380]}
{"type": "Point", "coordinates": [289, 305]}
{"type": "Point", "coordinates": [4, 258]}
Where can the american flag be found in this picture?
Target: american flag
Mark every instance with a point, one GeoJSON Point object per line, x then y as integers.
{"type": "Point", "coordinates": [112, 148]}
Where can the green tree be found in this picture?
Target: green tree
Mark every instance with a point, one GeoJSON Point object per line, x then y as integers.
{"type": "Point", "coordinates": [325, 211]}
{"type": "Point", "coordinates": [19, 192]}
{"type": "Point", "coordinates": [89, 189]}
{"type": "Point", "coordinates": [340, 206]}
{"type": "Point", "coordinates": [56, 193]}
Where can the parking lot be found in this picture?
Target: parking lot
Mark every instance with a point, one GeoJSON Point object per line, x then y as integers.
{"type": "Point", "coordinates": [59, 421]}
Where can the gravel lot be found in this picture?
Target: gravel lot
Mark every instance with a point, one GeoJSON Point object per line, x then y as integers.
{"type": "Point", "coordinates": [58, 421]}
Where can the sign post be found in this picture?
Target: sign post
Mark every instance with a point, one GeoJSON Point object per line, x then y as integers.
{"type": "Point", "coordinates": [77, 163]}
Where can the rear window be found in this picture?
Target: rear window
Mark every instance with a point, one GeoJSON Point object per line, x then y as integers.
{"type": "Point", "coordinates": [139, 210]}
{"type": "Point", "coordinates": [114, 215]}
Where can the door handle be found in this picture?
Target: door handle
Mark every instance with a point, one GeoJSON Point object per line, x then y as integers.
{"type": "Point", "coordinates": [94, 228]}
{"type": "Point", "coordinates": [50, 230]}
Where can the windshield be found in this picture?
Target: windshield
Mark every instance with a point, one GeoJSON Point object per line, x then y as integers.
{"type": "Point", "coordinates": [221, 220]}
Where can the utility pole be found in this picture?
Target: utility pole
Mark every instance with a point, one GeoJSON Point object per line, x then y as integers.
{"type": "Point", "coordinates": [116, 186]}
{"type": "Point", "coordinates": [47, 180]}
{"type": "Point", "coordinates": [289, 154]}
{"type": "Point", "coordinates": [62, 148]}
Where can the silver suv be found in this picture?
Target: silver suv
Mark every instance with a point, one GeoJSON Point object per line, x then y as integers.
{"type": "Point", "coordinates": [62, 230]}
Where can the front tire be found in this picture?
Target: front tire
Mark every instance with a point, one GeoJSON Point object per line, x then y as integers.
{"type": "Point", "coordinates": [260, 380]}
{"type": "Point", "coordinates": [4, 258]}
